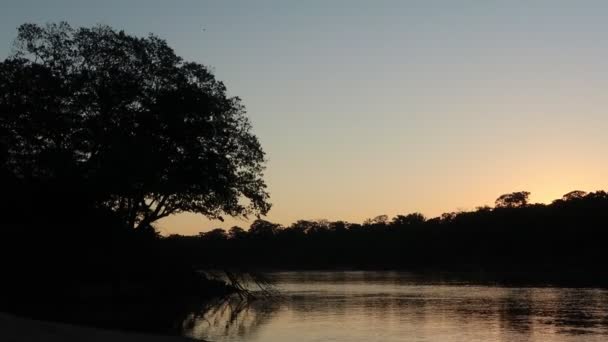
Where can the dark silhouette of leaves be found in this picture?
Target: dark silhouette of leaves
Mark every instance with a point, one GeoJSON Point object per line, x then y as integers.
{"type": "Point", "coordinates": [126, 124]}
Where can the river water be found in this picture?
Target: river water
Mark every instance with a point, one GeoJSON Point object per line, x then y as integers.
{"type": "Point", "coordinates": [399, 306]}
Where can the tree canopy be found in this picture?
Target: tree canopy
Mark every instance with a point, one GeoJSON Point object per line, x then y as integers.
{"type": "Point", "coordinates": [512, 200]}
{"type": "Point", "coordinates": [566, 235]}
{"type": "Point", "coordinates": [126, 124]}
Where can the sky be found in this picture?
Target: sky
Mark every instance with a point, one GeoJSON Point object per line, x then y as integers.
{"type": "Point", "coordinates": [389, 107]}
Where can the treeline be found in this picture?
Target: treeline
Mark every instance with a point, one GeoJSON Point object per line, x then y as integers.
{"type": "Point", "coordinates": [568, 234]}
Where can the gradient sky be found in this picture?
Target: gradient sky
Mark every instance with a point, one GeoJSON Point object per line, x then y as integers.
{"type": "Point", "coordinates": [390, 107]}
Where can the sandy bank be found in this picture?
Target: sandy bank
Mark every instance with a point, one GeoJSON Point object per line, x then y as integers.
{"type": "Point", "coordinates": [18, 329]}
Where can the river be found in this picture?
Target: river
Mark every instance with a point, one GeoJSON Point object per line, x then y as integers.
{"type": "Point", "coordinates": [400, 306]}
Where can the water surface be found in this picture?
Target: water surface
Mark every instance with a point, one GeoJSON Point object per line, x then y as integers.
{"type": "Point", "coordinates": [398, 306]}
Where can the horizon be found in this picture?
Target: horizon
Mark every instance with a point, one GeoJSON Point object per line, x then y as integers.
{"type": "Point", "coordinates": [366, 110]}
{"type": "Point", "coordinates": [243, 223]}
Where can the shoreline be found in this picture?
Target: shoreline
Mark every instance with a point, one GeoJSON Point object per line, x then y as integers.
{"type": "Point", "coordinates": [20, 329]}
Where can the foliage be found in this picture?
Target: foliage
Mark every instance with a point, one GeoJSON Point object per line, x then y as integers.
{"type": "Point", "coordinates": [512, 200]}
{"type": "Point", "coordinates": [568, 234]}
{"type": "Point", "coordinates": [123, 123]}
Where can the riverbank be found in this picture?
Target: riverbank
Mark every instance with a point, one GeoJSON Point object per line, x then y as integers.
{"type": "Point", "coordinates": [19, 329]}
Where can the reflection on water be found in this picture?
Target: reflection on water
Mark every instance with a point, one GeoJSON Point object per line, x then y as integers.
{"type": "Point", "coordinates": [393, 306]}
{"type": "Point", "coordinates": [230, 319]}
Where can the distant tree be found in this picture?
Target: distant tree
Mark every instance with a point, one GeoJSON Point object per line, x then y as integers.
{"type": "Point", "coordinates": [214, 234]}
{"type": "Point", "coordinates": [448, 217]}
{"type": "Point", "coordinates": [599, 195]}
{"type": "Point", "coordinates": [236, 232]}
{"type": "Point", "coordinates": [127, 124]}
{"type": "Point", "coordinates": [378, 220]}
{"type": "Point", "coordinates": [264, 228]}
{"type": "Point", "coordinates": [572, 195]}
{"type": "Point", "coordinates": [409, 219]}
{"type": "Point", "coordinates": [303, 226]}
{"type": "Point", "coordinates": [513, 200]}
{"type": "Point", "coordinates": [319, 226]}
{"type": "Point", "coordinates": [338, 226]}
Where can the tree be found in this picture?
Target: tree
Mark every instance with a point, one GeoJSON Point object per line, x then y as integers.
{"type": "Point", "coordinates": [380, 220]}
{"type": "Point", "coordinates": [217, 234]}
{"type": "Point", "coordinates": [513, 200]}
{"type": "Point", "coordinates": [127, 125]}
{"type": "Point", "coordinates": [263, 228]}
{"type": "Point", "coordinates": [304, 226]}
{"type": "Point", "coordinates": [409, 219]}
{"type": "Point", "coordinates": [573, 195]}
{"type": "Point", "coordinates": [338, 226]}
{"type": "Point", "coordinates": [236, 232]}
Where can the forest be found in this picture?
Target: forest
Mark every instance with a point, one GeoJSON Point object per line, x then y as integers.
{"type": "Point", "coordinates": [568, 234]}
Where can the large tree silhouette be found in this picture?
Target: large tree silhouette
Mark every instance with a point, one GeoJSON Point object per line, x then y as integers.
{"type": "Point", "coordinates": [125, 124]}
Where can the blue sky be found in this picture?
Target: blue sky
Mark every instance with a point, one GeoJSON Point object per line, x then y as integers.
{"type": "Point", "coordinates": [390, 107]}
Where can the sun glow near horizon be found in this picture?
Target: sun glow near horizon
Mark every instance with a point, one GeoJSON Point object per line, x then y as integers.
{"type": "Point", "coordinates": [192, 224]}
{"type": "Point", "coordinates": [444, 185]}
